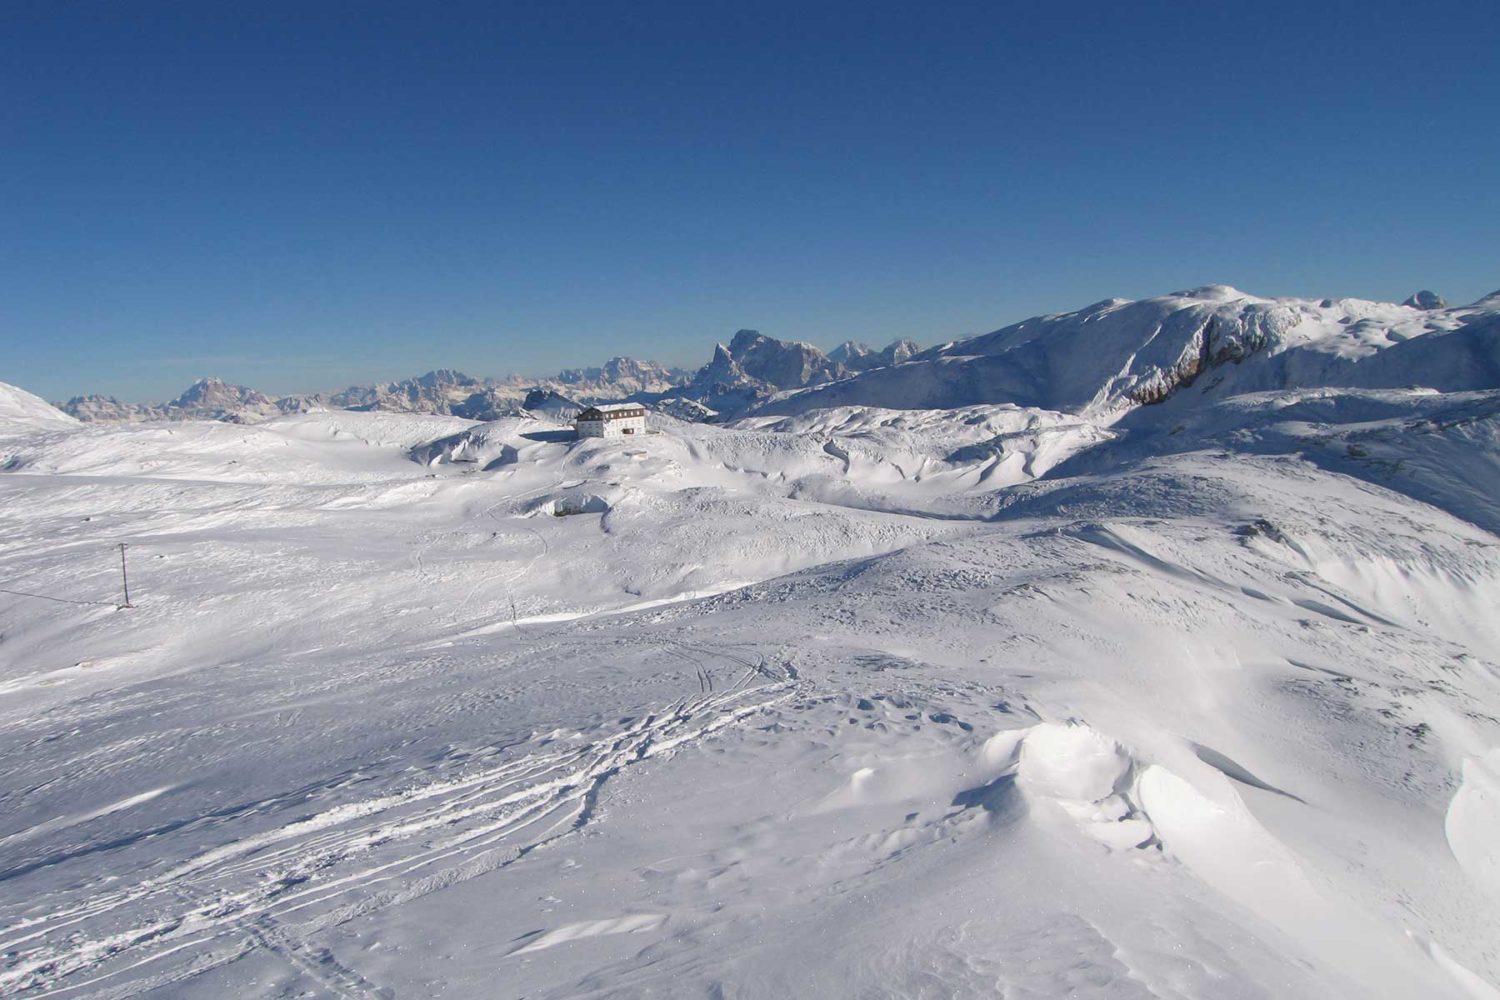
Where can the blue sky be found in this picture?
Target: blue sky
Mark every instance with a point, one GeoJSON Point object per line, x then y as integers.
{"type": "Point", "coordinates": [304, 195]}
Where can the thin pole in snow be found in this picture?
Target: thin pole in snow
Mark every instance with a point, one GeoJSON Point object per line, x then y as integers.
{"type": "Point", "coordinates": [124, 580]}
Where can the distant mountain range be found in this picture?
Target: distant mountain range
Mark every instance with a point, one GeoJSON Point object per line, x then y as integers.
{"type": "Point", "coordinates": [754, 367]}
{"type": "Point", "coordinates": [751, 369]}
{"type": "Point", "coordinates": [205, 399]}
{"type": "Point", "coordinates": [1103, 359]}
{"type": "Point", "coordinates": [441, 391]}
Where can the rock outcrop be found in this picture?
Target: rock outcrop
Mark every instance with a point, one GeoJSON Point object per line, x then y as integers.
{"type": "Point", "coordinates": [1426, 300]}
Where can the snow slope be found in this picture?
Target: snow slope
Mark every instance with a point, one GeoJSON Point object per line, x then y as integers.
{"type": "Point", "coordinates": [1118, 353]}
{"type": "Point", "coordinates": [21, 412]}
{"type": "Point", "coordinates": [1196, 699]}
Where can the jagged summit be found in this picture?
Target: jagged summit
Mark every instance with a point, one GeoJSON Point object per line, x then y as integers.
{"type": "Point", "coordinates": [721, 366]}
{"type": "Point", "coordinates": [780, 363]}
{"type": "Point", "coordinates": [900, 351]}
{"type": "Point", "coordinates": [439, 391]}
{"type": "Point", "coordinates": [856, 356]}
{"type": "Point", "coordinates": [850, 352]}
{"type": "Point", "coordinates": [754, 367]}
{"type": "Point", "coordinates": [444, 377]}
{"type": "Point", "coordinates": [212, 398]}
{"type": "Point", "coordinates": [621, 376]}
{"type": "Point", "coordinates": [434, 392]}
{"type": "Point", "coordinates": [208, 398]}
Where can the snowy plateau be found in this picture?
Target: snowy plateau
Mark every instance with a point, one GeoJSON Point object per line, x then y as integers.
{"type": "Point", "coordinates": [1150, 650]}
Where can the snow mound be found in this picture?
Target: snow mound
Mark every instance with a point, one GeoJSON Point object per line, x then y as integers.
{"type": "Point", "coordinates": [1473, 821]}
{"type": "Point", "coordinates": [1072, 762]}
{"type": "Point", "coordinates": [484, 447]}
{"type": "Point", "coordinates": [23, 413]}
{"type": "Point", "coordinates": [569, 504]}
{"type": "Point", "coordinates": [1087, 775]}
{"type": "Point", "coordinates": [316, 447]}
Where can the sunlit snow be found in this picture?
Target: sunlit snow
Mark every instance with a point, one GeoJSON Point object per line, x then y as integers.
{"type": "Point", "coordinates": [1048, 695]}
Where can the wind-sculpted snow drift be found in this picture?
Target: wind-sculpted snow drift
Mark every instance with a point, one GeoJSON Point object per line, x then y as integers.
{"type": "Point", "coordinates": [1155, 655]}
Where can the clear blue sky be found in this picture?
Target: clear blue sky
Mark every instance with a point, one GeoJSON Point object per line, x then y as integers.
{"type": "Point", "coordinates": [304, 195]}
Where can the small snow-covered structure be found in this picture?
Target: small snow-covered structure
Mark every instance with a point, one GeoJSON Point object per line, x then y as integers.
{"type": "Point", "coordinates": [611, 420]}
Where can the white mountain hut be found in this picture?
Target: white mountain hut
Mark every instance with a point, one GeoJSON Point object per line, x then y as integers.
{"type": "Point", "coordinates": [611, 420]}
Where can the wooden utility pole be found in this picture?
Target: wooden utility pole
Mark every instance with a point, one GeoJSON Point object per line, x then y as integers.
{"type": "Point", "coordinates": [124, 580]}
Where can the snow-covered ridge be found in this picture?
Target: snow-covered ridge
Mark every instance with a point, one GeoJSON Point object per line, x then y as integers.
{"type": "Point", "coordinates": [1104, 359]}
{"type": "Point", "coordinates": [21, 412]}
{"type": "Point", "coordinates": [1116, 354]}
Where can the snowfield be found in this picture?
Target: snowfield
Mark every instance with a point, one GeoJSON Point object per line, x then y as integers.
{"type": "Point", "coordinates": [1042, 696]}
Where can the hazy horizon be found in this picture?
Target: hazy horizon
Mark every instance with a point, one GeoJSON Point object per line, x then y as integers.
{"type": "Point", "coordinates": [299, 198]}
{"type": "Point", "coordinates": [210, 367]}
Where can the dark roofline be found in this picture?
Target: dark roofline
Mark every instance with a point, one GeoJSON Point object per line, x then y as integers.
{"type": "Point", "coordinates": [594, 413]}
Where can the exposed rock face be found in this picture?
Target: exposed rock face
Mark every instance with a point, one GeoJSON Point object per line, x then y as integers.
{"type": "Point", "coordinates": [781, 363]}
{"type": "Point", "coordinates": [96, 407]}
{"type": "Point", "coordinates": [487, 404]}
{"type": "Point", "coordinates": [551, 404]}
{"type": "Point", "coordinates": [1117, 354]}
{"type": "Point", "coordinates": [435, 392]}
{"type": "Point", "coordinates": [619, 377]}
{"type": "Point", "coordinates": [205, 399]}
{"type": "Point", "coordinates": [854, 356]}
{"type": "Point", "coordinates": [724, 385]}
{"type": "Point", "coordinates": [215, 399]}
{"type": "Point", "coordinates": [721, 368]}
{"type": "Point", "coordinates": [754, 367]}
{"type": "Point", "coordinates": [689, 410]}
{"type": "Point", "coordinates": [445, 391]}
{"type": "Point", "coordinates": [1218, 342]}
{"type": "Point", "coordinates": [1426, 300]}
{"type": "Point", "coordinates": [899, 351]}
{"type": "Point", "coordinates": [301, 403]}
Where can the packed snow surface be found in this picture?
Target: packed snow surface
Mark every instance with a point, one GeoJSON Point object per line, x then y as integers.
{"type": "Point", "coordinates": [999, 698]}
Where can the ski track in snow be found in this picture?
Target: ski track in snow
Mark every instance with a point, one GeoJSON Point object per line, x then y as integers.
{"type": "Point", "coordinates": [327, 868]}
{"type": "Point", "coordinates": [846, 702]}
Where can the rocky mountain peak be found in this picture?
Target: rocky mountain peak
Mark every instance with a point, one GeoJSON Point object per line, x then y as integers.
{"type": "Point", "coordinates": [782, 364]}
{"type": "Point", "coordinates": [444, 377]}
{"type": "Point", "coordinates": [212, 398]}
{"type": "Point", "coordinates": [1426, 299]}
{"type": "Point", "coordinates": [850, 353]}
{"type": "Point", "coordinates": [721, 367]}
{"type": "Point", "coordinates": [900, 350]}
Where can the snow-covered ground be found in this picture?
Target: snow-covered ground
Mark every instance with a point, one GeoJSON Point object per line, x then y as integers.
{"type": "Point", "coordinates": [1197, 700]}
